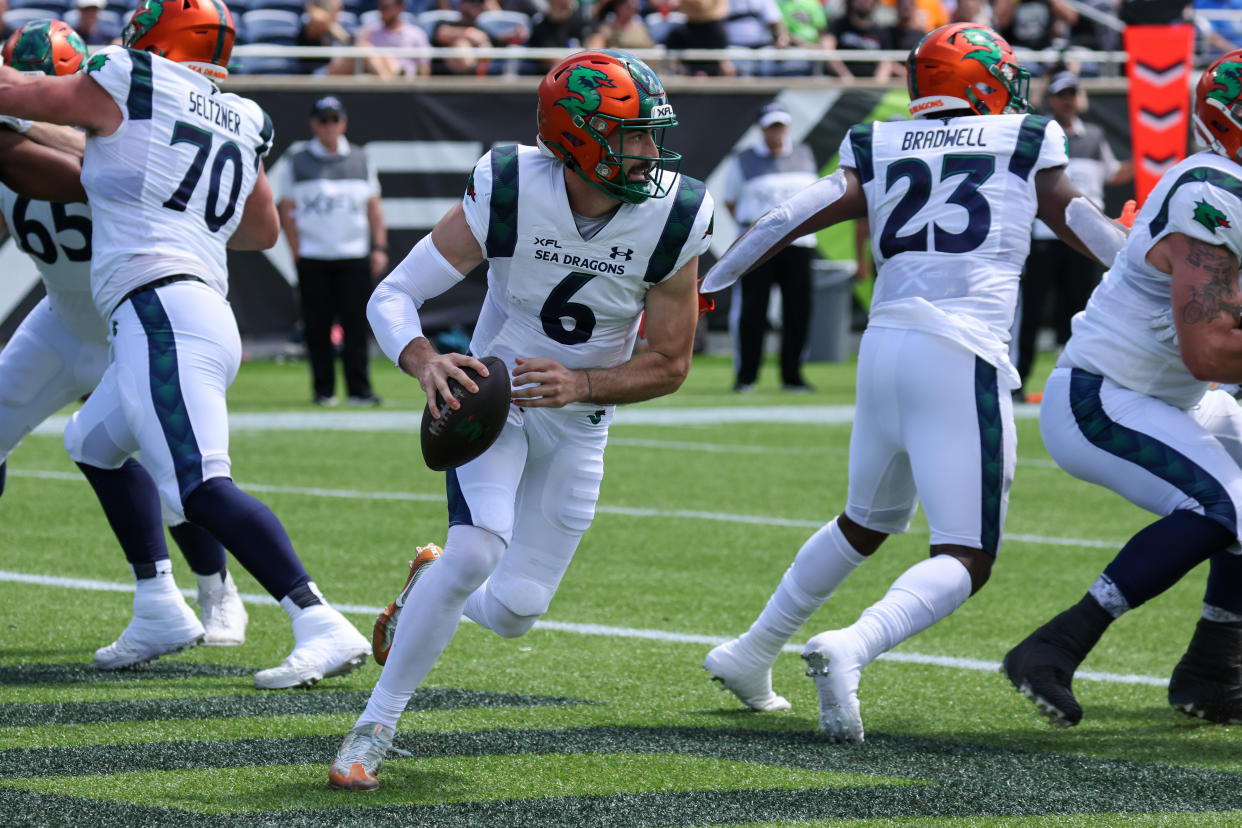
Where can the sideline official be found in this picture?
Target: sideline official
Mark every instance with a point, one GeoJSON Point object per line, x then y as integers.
{"type": "Point", "coordinates": [331, 213]}
{"type": "Point", "coordinates": [759, 179]}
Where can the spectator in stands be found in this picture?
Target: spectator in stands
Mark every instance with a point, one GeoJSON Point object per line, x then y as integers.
{"type": "Point", "coordinates": [561, 26]}
{"type": "Point", "coordinates": [392, 29]}
{"type": "Point", "coordinates": [1033, 24]}
{"type": "Point", "coordinates": [928, 14]}
{"type": "Point", "coordinates": [320, 27]}
{"type": "Point", "coordinates": [806, 21]}
{"type": "Point", "coordinates": [464, 34]}
{"type": "Point", "coordinates": [88, 25]}
{"type": "Point", "coordinates": [1224, 33]}
{"type": "Point", "coordinates": [972, 11]}
{"type": "Point", "coordinates": [1054, 269]}
{"type": "Point", "coordinates": [703, 29]}
{"type": "Point", "coordinates": [619, 26]}
{"type": "Point", "coordinates": [857, 30]}
{"type": "Point", "coordinates": [910, 27]}
{"type": "Point", "coordinates": [755, 24]}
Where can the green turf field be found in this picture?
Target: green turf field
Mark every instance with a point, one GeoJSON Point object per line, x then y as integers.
{"type": "Point", "coordinates": [601, 715]}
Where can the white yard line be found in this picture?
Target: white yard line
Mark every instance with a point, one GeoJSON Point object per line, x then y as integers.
{"type": "Point", "coordinates": [627, 511]}
{"type": "Point", "coordinates": [595, 629]}
{"type": "Point", "coordinates": [637, 415]}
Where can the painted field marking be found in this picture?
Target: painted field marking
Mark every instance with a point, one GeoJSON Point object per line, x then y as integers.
{"type": "Point", "coordinates": [627, 511]}
{"type": "Point", "coordinates": [593, 629]}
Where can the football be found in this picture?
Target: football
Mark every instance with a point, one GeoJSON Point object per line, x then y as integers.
{"type": "Point", "coordinates": [457, 437]}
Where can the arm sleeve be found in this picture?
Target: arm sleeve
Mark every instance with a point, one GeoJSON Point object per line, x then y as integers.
{"type": "Point", "coordinates": [393, 307]}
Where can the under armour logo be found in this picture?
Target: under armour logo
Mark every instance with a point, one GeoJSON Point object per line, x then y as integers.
{"type": "Point", "coordinates": [598, 415]}
{"type": "Point", "coordinates": [617, 251]}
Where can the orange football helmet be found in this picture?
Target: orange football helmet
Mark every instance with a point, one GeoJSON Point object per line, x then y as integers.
{"type": "Point", "coordinates": [198, 34]}
{"type": "Point", "coordinates": [965, 66]}
{"type": "Point", "coordinates": [588, 102]}
{"type": "Point", "coordinates": [1218, 106]}
{"type": "Point", "coordinates": [48, 46]}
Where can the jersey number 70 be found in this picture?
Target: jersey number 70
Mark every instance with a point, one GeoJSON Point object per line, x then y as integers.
{"type": "Point", "coordinates": [229, 154]}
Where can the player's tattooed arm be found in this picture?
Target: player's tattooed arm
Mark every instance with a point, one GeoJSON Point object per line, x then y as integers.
{"type": "Point", "coordinates": [1217, 295]}
{"type": "Point", "coordinates": [1206, 304]}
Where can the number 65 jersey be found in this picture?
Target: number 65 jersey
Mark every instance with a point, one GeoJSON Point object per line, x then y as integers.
{"type": "Point", "coordinates": [168, 188]}
{"type": "Point", "coordinates": [551, 293]}
{"type": "Point", "coordinates": [951, 202]}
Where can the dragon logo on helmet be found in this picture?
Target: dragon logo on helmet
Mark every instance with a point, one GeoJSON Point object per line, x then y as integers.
{"type": "Point", "coordinates": [148, 14]}
{"type": "Point", "coordinates": [1228, 84]}
{"type": "Point", "coordinates": [585, 82]}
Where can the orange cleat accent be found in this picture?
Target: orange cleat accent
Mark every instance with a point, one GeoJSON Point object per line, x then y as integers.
{"type": "Point", "coordinates": [386, 623]}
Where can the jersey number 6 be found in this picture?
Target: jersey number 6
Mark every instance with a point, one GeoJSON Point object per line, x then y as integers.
{"type": "Point", "coordinates": [558, 307]}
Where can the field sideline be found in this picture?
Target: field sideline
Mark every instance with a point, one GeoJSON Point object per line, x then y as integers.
{"type": "Point", "coordinates": [601, 715]}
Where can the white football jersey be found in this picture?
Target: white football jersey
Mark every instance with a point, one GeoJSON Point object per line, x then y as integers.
{"type": "Point", "coordinates": [169, 186]}
{"type": "Point", "coordinates": [550, 293]}
{"type": "Point", "coordinates": [951, 202]}
{"type": "Point", "coordinates": [57, 238]}
{"type": "Point", "coordinates": [1126, 332]}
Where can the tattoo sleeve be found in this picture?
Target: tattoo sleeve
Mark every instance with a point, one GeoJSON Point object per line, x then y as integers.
{"type": "Point", "coordinates": [1219, 295]}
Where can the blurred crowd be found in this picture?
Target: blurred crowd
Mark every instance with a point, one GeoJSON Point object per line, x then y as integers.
{"type": "Point", "coordinates": [636, 24]}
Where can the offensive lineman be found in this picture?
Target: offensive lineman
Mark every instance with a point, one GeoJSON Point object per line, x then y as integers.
{"type": "Point", "coordinates": [1129, 407]}
{"type": "Point", "coordinates": [174, 172]}
{"type": "Point", "coordinates": [950, 197]}
{"type": "Point", "coordinates": [60, 350]}
{"type": "Point", "coordinates": [629, 230]}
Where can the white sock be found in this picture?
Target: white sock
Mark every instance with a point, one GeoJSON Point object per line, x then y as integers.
{"type": "Point", "coordinates": [1108, 596]}
{"type": "Point", "coordinates": [921, 596]}
{"type": "Point", "coordinates": [823, 562]}
{"type": "Point", "coordinates": [476, 605]}
{"type": "Point", "coordinates": [1219, 615]}
{"type": "Point", "coordinates": [430, 618]}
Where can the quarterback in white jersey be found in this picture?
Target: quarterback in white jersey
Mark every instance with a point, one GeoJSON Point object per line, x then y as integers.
{"type": "Point", "coordinates": [582, 235]}
{"type": "Point", "coordinates": [174, 172]}
{"type": "Point", "coordinates": [1130, 406]}
{"type": "Point", "coordinates": [950, 197]}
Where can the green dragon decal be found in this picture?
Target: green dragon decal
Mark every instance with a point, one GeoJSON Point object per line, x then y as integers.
{"type": "Point", "coordinates": [1228, 88]}
{"type": "Point", "coordinates": [585, 82]}
{"type": "Point", "coordinates": [1209, 216]}
{"type": "Point", "coordinates": [987, 52]}
{"type": "Point", "coordinates": [96, 63]}
{"type": "Point", "coordinates": [148, 14]}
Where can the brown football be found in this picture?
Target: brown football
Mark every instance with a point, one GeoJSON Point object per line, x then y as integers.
{"type": "Point", "coordinates": [458, 436]}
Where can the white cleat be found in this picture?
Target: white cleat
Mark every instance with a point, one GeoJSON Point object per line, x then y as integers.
{"type": "Point", "coordinates": [325, 645]}
{"type": "Point", "coordinates": [224, 616]}
{"type": "Point", "coordinates": [748, 679]}
{"type": "Point", "coordinates": [833, 662]}
{"type": "Point", "coordinates": [163, 623]}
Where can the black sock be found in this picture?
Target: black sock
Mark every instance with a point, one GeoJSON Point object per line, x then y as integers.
{"type": "Point", "coordinates": [202, 551]}
{"type": "Point", "coordinates": [1161, 554]}
{"type": "Point", "coordinates": [250, 531]}
{"type": "Point", "coordinates": [1078, 629]}
{"type": "Point", "coordinates": [3, 473]}
{"type": "Point", "coordinates": [131, 503]}
{"type": "Point", "coordinates": [1224, 583]}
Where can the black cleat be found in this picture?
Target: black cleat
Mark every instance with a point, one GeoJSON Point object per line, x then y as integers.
{"type": "Point", "coordinates": [1043, 673]}
{"type": "Point", "coordinates": [1207, 682]}
{"type": "Point", "coordinates": [1042, 666]}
